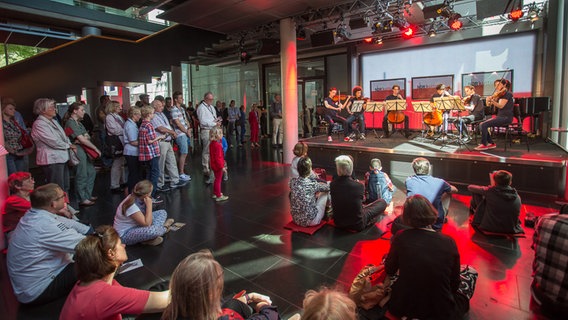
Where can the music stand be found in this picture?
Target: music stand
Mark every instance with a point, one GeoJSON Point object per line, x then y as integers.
{"type": "Point", "coordinates": [422, 107]}
{"type": "Point", "coordinates": [374, 106]}
{"type": "Point", "coordinates": [445, 104]}
{"type": "Point", "coordinates": [357, 106]}
{"type": "Point", "coordinates": [395, 105]}
{"type": "Point", "coordinates": [459, 107]}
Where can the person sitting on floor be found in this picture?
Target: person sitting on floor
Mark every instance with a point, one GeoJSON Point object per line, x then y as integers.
{"type": "Point", "coordinates": [436, 190]}
{"type": "Point", "coordinates": [196, 287]}
{"type": "Point", "coordinates": [308, 198]}
{"type": "Point", "coordinates": [379, 185]}
{"type": "Point", "coordinates": [328, 304]}
{"type": "Point", "coordinates": [430, 284]}
{"type": "Point", "coordinates": [97, 295]}
{"type": "Point", "coordinates": [347, 199]}
{"type": "Point", "coordinates": [135, 221]}
{"type": "Point", "coordinates": [40, 250]}
{"type": "Point", "coordinates": [300, 151]}
{"type": "Point", "coordinates": [496, 207]}
{"type": "Point", "coordinates": [550, 284]}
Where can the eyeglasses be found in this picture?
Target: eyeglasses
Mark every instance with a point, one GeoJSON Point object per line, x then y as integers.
{"type": "Point", "coordinates": [64, 195]}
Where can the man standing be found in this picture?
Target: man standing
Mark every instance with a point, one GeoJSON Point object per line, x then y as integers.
{"type": "Point", "coordinates": [233, 117]}
{"type": "Point", "coordinates": [207, 121]}
{"type": "Point", "coordinates": [167, 160]}
{"type": "Point", "coordinates": [40, 251]}
{"type": "Point", "coordinates": [183, 131]}
{"type": "Point", "coordinates": [276, 114]}
{"type": "Point", "coordinates": [496, 207]}
{"type": "Point", "coordinates": [347, 199]}
{"type": "Point", "coordinates": [436, 190]}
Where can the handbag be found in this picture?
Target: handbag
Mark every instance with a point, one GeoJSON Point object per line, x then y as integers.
{"type": "Point", "coordinates": [26, 140]}
{"type": "Point", "coordinates": [73, 158]}
{"type": "Point", "coordinates": [113, 147]}
{"type": "Point", "coordinates": [91, 153]}
{"type": "Point", "coordinates": [370, 287]}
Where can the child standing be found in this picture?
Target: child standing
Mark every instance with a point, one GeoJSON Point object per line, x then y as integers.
{"type": "Point", "coordinates": [379, 185]}
{"type": "Point", "coordinates": [217, 162]}
{"type": "Point", "coordinates": [149, 147]}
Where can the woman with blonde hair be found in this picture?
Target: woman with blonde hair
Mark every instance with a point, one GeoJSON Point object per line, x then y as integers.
{"type": "Point", "coordinates": [196, 287]}
{"type": "Point", "coordinates": [217, 162]}
{"type": "Point", "coordinates": [135, 221]}
{"type": "Point", "coordinates": [114, 124]}
{"type": "Point", "coordinates": [328, 304]}
{"type": "Point", "coordinates": [97, 295]}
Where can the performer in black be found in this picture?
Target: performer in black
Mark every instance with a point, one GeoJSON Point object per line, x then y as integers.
{"type": "Point", "coordinates": [395, 116]}
{"type": "Point", "coordinates": [474, 105]}
{"type": "Point", "coordinates": [360, 116]}
{"type": "Point", "coordinates": [332, 109]}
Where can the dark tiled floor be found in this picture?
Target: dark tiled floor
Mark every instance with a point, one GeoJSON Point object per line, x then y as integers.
{"type": "Point", "coordinates": [247, 236]}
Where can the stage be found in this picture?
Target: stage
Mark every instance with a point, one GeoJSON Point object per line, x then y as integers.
{"type": "Point", "coordinates": [540, 171]}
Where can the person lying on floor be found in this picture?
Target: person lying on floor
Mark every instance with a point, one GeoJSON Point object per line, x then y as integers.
{"type": "Point", "coordinates": [347, 197]}
{"type": "Point", "coordinates": [496, 207]}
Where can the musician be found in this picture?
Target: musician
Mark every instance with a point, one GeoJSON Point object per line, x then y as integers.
{"type": "Point", "coordinates": [360, 116]}
{"type": "Point", "coordinates": [436, 115]}
{"type": "Point", "coordinates": [395, 96]}
{"type": "Point", "coordinates": [474, 105]}
{"type": "Point", "coordinates": [333, 109]}
{"type": "Point", "coordinates": [502, 99]}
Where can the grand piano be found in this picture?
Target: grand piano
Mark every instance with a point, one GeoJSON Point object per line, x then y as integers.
{"type": "Point", "coordinates": [532, 107]}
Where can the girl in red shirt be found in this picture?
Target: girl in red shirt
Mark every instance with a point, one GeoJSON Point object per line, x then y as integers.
{"type": "Point", "coordinates": [217, 162]}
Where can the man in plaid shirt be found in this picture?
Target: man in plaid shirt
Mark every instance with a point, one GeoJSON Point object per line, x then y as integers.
{"type": "Point", "coordinates": [550, 283]}
{"type": "Point", "coordinates": [149, 146]}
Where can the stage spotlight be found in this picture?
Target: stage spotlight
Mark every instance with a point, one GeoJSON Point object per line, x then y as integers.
{"type": "Point", "coordinates": [455, 22]}
{"type": "Point", "coordinates": [386, 26]}
{"type": "Point", "coordinates": [245, 56]}
{"type": "Point", "coordinates": [301, 33]}
{"type": "Point", "coordinates": [378, 40]}
{"type": "Point", "coordinates": [408, 33]}
{"type": "Point", "coordinates": [431, 33]}
{"type": "Point", "coordinates": [341, 32]}
{"type": "Point", "coordinates": [516, 14]}
{"type": "Point", "coordinates": [368, 40]}
{"type": "Point", "coordinates": [533, 12]}
{"type": "Point", "coordinates": [401, 23]}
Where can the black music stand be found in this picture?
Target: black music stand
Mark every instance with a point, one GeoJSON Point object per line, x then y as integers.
{"type": "Point", "coordinates": [374, 106]}
{"type": "Point", "coordinates": [395, 105]}
{"type": "Point", "coordinates": [445, 104]}
{"type": "Point", "coordinates": [422, 107]}
{"type": "Point", "coordinates": [459, 107]}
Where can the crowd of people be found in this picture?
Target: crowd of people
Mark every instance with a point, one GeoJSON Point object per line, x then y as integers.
{"type": "Point", "coordinates": [52, 255]}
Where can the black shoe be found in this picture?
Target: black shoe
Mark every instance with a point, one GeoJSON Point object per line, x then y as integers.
{"type": "Point", "coordinates": [124, 185]}
{"type": "Point", "coordinates": [117, 190]}
{"type": "Point", "coordinates": [180, 184]}
{"type": "Point", "coordinates": [164, 188]}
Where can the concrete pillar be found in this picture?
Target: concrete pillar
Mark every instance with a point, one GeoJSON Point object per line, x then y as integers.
{"type": "Point", "coordinates": [289, 81]}
{"type": "Point", "coordinates": [177, 84]}
{"type": "Point", "coordinates": [125, 98]}
{"type": "Point", "coordinates": [3, 186]}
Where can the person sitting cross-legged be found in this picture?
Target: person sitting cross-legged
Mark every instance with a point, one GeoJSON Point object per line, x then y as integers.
{"type": "Point", "coordinates": [308, 198]}
{"type": "Point", "coordinates": [347, 199]}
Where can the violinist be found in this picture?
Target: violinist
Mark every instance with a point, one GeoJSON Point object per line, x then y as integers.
{"type": "Point", "coordinates": [333, 107]}
{"type": "Point", "coordinates": [395, 116]}
{"type": "Point", "coordinates": [474, 105]}
{"type": "Point", "coordinates": [502, 99]}
{"type": "Point", "coordinates": [360, 116]}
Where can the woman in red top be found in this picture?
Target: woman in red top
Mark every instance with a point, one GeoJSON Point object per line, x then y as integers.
{"type": "Point", "coordinates": [217, 162]}
{"type": "Point", "coordinates": [254, 126]}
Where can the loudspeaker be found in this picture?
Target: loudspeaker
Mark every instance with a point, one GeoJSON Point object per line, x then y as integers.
{"type": "Point", "coordinates": [268, 47]}
{"type": "Point", "coordinates": [357, 23]}
{"type": "Point", "coordinates": [322, 38]}
{"type": "Point", "coordinates": [491, 8]}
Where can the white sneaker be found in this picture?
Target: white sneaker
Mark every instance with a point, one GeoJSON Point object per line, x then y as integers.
{"type": "Point", "coordinates": [329, 139]}
{"type": "Point", "coordinates": [222, 198]}
{"type": "Point", "coordinates": [185, 177]}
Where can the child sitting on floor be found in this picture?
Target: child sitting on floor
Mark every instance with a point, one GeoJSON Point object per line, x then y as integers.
{"type": "Point", "coordinates": [379, 185]}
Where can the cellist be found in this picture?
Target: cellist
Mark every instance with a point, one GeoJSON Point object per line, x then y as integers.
{"type": "Point", "coordinates": [435, 118]}
{"type": "Point", "coordinates": [395, 116]}
{"type": "Point", "coordinates": [502, 99]}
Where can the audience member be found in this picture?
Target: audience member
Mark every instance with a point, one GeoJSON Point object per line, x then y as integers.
{"type": "Point", "coordinates": [168, 165]}
{"type": "Point", "coordinates": [379, 185]}
{"type": "Point", "coordinates": [13, 132]}
{"type": "Point", "coordinates": [149, 147]}
{"type": "Point", "coordinates": [427, 264]}
{"type": "Point", "coordinates": [233, 118]}
{"type": "Point", "coordinates": [207, 121]}
{"type": "Point", "coordinates": [100, 116]}
{"type": "Point", "coordinates": [97, 295]}
{"type": "Point", "coordinates": [196, 287]}
{"type": "Point", "coordinates": [135, 221]}
{"type": "Point", "coordinates": [41, 247]}
{"type": "Point", "coordinates": [115, 127]}
{"type": "Point", "coordinates": [436, 190]}
{"type": "Point", "coordinates": [300, 151]}
{"type": "Point", "coordinates": [217, 162]}
{"type": "Point", "coordinates": [308, 198]}
{"type": "Point", "coordinates": [131, 151]}
{"type": "Point", "coordinates": [182, 127]}
{"type": "Point", "coordinates": [328, 304]}
{"type": "Point", "coordinates": [496, 207]}
{"type": "Point", "coordinates": [347, 199]}
{"type": "Point", "coordinates": [550, 284]}
{"type": "Point", "coordinates": [84, 171]}
{"type": "Point", "coordinates": [276, 115]}
{"type": "Point", "coordinates": [254, 125]}
{"type": "Point", "coordinates": [242, 123]}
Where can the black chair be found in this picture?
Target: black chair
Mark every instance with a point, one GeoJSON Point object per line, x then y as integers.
{"type": "Point", "coordinates": [515, 129]}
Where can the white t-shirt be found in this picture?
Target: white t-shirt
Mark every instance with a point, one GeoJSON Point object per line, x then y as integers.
{"type": "Point", "coordinates": [123, 222]}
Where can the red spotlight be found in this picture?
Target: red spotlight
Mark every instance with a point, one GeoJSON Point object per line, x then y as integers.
{"type": "Point", "coordinates": [408, 33]}
{"type": "Point", "coordinates": [368, 40]}
{"type": "Point", "coordinates": [516, 14]}
{"type": "Point", "coordinates": [455, 24]}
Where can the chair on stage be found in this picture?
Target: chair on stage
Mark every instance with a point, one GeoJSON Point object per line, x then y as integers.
{"type": "Point", "coordinates": [515, 129]}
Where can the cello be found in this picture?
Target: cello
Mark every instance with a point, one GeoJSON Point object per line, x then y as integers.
{"type": "Point", "coordinates": [434, 118]}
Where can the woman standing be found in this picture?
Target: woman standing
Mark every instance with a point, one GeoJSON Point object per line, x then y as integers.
{"type": "Point", "coordinates": [115, 127]}
{"type": "Point", "coordinates": [131, 147]}
{"type": "Point", "coordinates": [15, 160]}
{"type": "Point", "coordinates": [254, 126]}
{"type": "Point", "coordinates": [85, 171]}
{"type": "Point", "coordinates": [97, 295]}
{"type": "Point", "coordinates": [52, 144]}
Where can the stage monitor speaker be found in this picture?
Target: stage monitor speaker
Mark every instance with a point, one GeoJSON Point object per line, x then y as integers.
{"type": "Point", "coordinates": [322, 38]}
{"type": "Point", "coordinates": [491, 8]}
{"type": "Point", "coordinates": [431, 12]}
{"type": "Point", "coordinates": [268, 47]}
{"type": "Point", "coordinates": [357, 23]}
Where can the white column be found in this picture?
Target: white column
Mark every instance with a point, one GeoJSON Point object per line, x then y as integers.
{"type": "Point", "coordinates": [3, 186]}
{"type": "Point", "coordinates": [289, 80]}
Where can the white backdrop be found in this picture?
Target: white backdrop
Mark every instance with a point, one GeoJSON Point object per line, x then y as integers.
{"type": "Point", "coordinates": [514, 52]}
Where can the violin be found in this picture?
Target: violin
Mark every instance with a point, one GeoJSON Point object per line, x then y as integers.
{"type": "Point", "coordinates": [341, 97]}
{"type": "Point", "coordinates": [467, 99]}
{"type": "Point", "coordinates": [497, 94]}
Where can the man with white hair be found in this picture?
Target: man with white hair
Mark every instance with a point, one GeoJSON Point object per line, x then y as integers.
{"type": "Point", "coordinates": [347, 199]}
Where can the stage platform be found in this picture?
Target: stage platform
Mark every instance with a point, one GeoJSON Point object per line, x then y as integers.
{"type": "Point", "coordinates": [540, 171]}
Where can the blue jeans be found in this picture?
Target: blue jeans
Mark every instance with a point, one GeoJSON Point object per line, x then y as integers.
{"type": "Point", "coordinates": [16, 163]}
{"type": "Point", "coordinates": [356, 116]}
{"type": "Point", "coordinates": [153, 173]}
{"type": "Point", "coordinates": [331, 119]}
{"type": "Point", "coordinates": [494, 122]}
